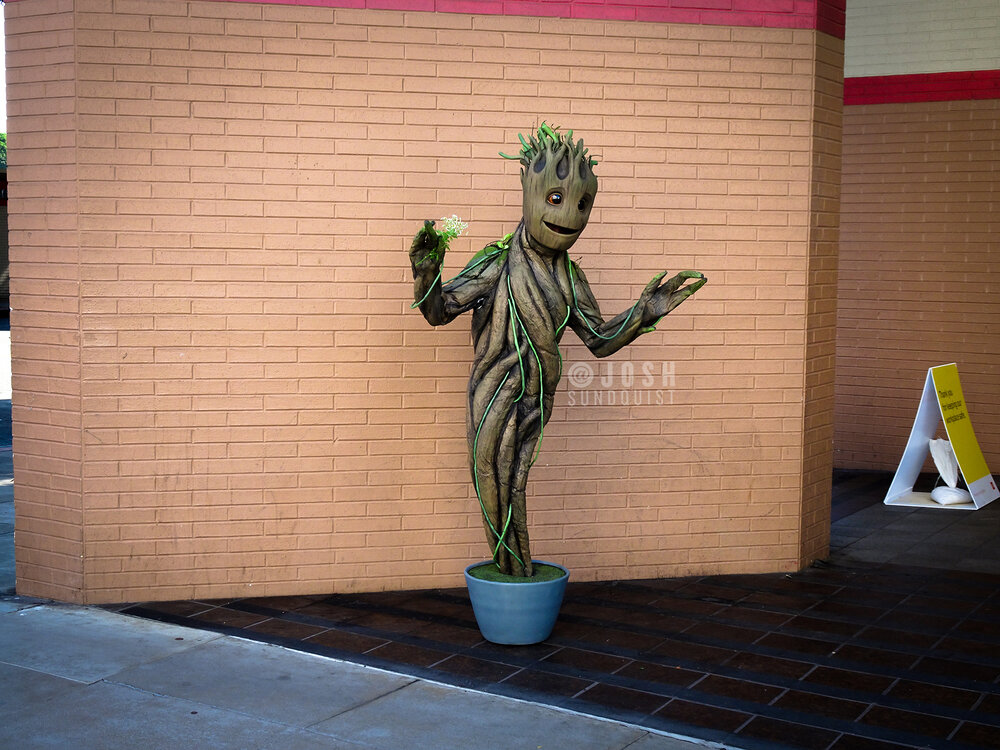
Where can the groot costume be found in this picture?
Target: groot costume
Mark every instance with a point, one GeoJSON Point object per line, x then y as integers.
{"type": "Point", "coordinates": [524, 291]}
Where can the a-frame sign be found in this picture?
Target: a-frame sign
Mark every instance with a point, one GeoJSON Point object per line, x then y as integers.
{"type": "Point", "coordinates": [942, 399]}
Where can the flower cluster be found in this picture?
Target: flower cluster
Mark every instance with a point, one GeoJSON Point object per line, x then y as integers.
{"type": "Point", "coordinates": [452, 227]}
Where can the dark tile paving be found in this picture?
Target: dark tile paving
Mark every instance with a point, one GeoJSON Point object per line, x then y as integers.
{"type": "Point", "coordinates": [840, 656]}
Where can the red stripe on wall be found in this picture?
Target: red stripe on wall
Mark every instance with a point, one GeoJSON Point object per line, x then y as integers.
{"type": "Point", "coordinates": [825, 15]}
{"type": "Point", "coordinates": [830, 17]}
{"type": "Point", "coordinates": [923, 87]}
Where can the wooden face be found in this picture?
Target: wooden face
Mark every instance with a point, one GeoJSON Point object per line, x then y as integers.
{"type": "Point", "coordinates": [558, 195]}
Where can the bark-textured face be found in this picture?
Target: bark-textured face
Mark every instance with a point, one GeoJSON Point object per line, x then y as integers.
{"type": "Point", "coordinates": [558, 188]}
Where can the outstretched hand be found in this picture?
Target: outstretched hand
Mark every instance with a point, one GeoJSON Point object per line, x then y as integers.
{"type": "Point", "coordinates": [427, 249]}
{"type": "Point", "coordinates": [660, 299]}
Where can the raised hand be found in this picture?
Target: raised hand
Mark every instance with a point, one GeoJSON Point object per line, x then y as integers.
{"type": "Point", "coordinates": [427, 249]}
{"type": "Point", "coordinates": [669, 295]}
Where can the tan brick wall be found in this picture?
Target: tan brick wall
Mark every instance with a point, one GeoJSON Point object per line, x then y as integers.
{"type": "Point", "coordinates": [263, 413]}
{"type": "Point", "coordinates": [918, 272]}
{"type": "Point", "coordinates": [44, 288]}
{"type": "Point", "coordinates": [820, 353]}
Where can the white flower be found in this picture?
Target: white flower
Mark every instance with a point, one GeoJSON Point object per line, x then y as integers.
{"type": "Point", "coordinates": [453, 226]}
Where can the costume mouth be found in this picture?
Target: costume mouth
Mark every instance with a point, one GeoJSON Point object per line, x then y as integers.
{"type": "Point", "coordinates": [560, 230]}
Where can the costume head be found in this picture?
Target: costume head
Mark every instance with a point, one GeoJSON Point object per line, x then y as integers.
{"type": "Point", "coordinates": [558, 188]}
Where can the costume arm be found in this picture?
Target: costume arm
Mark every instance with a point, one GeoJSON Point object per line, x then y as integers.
{"type": "Point", "coordinates": [604, 338]}
{"type": "Point", "coordinates": [441, 302]}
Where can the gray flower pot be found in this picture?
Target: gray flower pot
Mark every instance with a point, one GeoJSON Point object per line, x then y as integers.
{"type": "Point", "coordinates": [516, 614]}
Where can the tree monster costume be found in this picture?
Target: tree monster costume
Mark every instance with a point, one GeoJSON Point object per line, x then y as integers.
{"type": "Point", "coordinates": [524, 291]}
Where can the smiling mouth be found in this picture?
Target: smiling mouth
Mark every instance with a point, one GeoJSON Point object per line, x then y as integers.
{"type": "Point", "coordinates": [560, 230]}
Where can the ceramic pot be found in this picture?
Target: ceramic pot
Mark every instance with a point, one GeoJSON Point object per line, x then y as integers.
{"type": "Point", "coordinates": [516, 613]}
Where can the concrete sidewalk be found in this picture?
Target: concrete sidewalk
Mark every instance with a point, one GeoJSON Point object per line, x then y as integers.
{"type": "Point", "coordinates": [80, 677]}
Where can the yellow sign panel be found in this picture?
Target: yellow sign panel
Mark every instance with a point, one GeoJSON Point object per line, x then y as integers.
{"type": "Point", "coordinates": [957, 423]}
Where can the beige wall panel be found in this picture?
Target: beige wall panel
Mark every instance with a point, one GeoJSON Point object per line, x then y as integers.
{"type": "Point", "coordinates": [918, 272]}
{"type": "Point", "coordinates": [257, 410]}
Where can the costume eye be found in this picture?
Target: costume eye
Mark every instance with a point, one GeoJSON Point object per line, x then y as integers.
{"type": "Point", "coordinates": [584, 202]}
{"type": "Point", "coordinates": [555, 198]}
